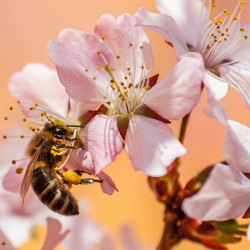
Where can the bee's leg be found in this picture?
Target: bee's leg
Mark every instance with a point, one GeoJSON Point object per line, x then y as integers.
{"type": "Point", "coordinates": [80, 172]}
{"type": "Point", "coordinates": [64, 137]}
{"type": "Point", "coordinates": [86, 181]}
{"type": "Point", "coordinates": [66, 146]}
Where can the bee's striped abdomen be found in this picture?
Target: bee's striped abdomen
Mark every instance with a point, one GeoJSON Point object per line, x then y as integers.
{"type": "Point", "coordinates": [52, 192]}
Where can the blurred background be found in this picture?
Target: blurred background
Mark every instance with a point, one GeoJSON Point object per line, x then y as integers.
{"type": "Point", "coordinates": [27, 26]}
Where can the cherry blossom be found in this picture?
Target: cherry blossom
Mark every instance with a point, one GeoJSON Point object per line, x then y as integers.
{"type": "Point", "coordinates": [221, 39]}
{"type": "Point", "coordinates": [110, 68]}
{"type": "Point", "coordinates": [39, 86]}
{"type": "Point", "coordinates": [53, 237]}
{"type": "Point", "coordinates": [225, 194]}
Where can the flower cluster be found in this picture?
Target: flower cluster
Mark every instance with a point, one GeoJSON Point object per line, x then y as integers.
{"type": "Point", "coordinates": [101, 98]}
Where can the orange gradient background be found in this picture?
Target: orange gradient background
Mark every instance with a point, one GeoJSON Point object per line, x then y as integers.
{"type": "Point", "coordinates": [26, 27]}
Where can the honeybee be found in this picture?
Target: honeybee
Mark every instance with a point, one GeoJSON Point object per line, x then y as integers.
{"type": "Point", "coordinates": [50, 184]}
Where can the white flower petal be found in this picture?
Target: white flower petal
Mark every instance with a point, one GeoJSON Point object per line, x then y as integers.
{"type": "Point", "coordinates": [236, 146]}
{"type": "Point", "coordinates": [224, 195]}
{"type": "Point", "coordinates": [151, 145]}
{"type": "Point", "coordinates": [179, 92]}
{"type": "Point", "coordinates": [238, 76]}
{"type": "Point", "coordinates": [188, 14]}
{"type": "Point", "coordinates": [165, 26]}
{"type": "Point", "coordinates": [216, 87]}
{"type": "Point", "coordinates": [39, 84]}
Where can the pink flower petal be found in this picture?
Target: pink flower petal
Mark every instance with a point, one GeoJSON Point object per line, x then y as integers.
{"type": "Point", "coordinates": [188, 14]}
{"type": "Point", "coordinates": [102, 141]}
{"type": "Point", "coordinates": [128, 42]}
{"type": "Point", "coordinates": [236, 146]}
{"type": "Point", "coordinates": [238, 76]}
{"type": "Point", "coordinates": [225, 195]}
{"type": "Point", "coordinates": [5, 243]}
{"type": "Point", "coordinates": [78, 109]}
{"type": "Point", "coordinates": [164, 25]}
{"type": "Point", "coordinates": [218, 112]}
{"type": "Point", "coordinates": [108, 186]}
{"type": "Point", "coordinates": [54, 236]}
{"type": "Point", "coordinates": [39, 84]}
{"type": "Point", "coordinates": [76, 59]}
{"type": "Point", "coordinates": [12, 181]}
{"type": "Point", "coordinates": [151, 145]}
{"type": "Point", "coordinates": [216, 86]}
{"type": "Point", "coordinates": [179, 92]}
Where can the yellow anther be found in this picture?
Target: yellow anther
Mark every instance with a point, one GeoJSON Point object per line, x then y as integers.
{"type": "Point", "coordinates": [240, 8]}
{"type": "Point", "coordinates": [49, 119]}
{"type": "Point", "coordinates": [38, 129]}
{"type": "Point", "coordinates": [208, 47]}
{"type": "Point", "coordinates": [98, 68]}
{"type": "Point", "coordinates": [122, 83]}
{"type": "Point", "coordinates": [215, 41]}
{"type": "Point", "coordinates": [103, 38]}
{"type": "Point", "coordinates": [227, 29]}
{"type": "Point", "coordinates": [212, 18]}
{"type": "Point", "coordinates": [112, 81]}
{"type": "Point", "coordinates": [86, 69]}
{"type": "Point", "coordinates": [128, 69]}
{"type": "Point", "coordinates": [147, 88]}
{"type": "Point", "coordinates": [112, 69]}
{"type": "Point", "coordinates": [141, 47]}
{"type": "Point", "coordinates": [245, 37]}
{"type": "Point", "coordinates": [56, 168]}
{"type": "Point", "coordinates": [36, 104]}
{"type": "Point", "coordinates": [60, 149]}
{"type": "Point", "coordinates": [5, 137]}
{"type": "Point", "coordinates": [21, 136]}
{"type": "Point", "coordinates": [217, 27]}
{"type": "Point", "coordinates": [222, 34]}
{"type": "Point", "coordinates": [42, 119]}
{"type": "Point", "coordinates": [13, 162]}
{"type": "Point", "coordinates": [18, 102]}
{"type": "Point", "coordinates": [148, 67]}
{"type": "Point", "coordinates": [225, 39]}
{"type": "Point", "coordinates": [11, 108]}
{"type": "Point", "coordinates": [142, 67]}
{"type": "Point", "coordinates": [98, 52]}
{"type": "Point", "coordinates": [43, 113]}
{"type": "Point", "coordinates": [54, 139]}
{"type": "Point", "coordinates": [94, 77]}
{"type": "Point", "coordinates": [242, 2]}
{"type": "Point", "coordinates": [53, 147]}
{"type": "Point", "coordinates": [235, 18]}
{"type": "Point", "coordinates": [218, 31]}
{"type": "Point", "coordinates": [130, 44]}
{"type": "Point", "coordinates": [118, 57]}
{"type": "Point", "coordinates": [228, 34]}
{"type": "Point", "coordinates": [224, 10]}
{"type": "Point", "coordinates": [24, 119]}
{"type": "Point", "coordinates": [31, 108]}
{"type": "Point", "coordinates": [33, 129]}
{"type": "Point", "coordinates": [227, 14]}
{"type": "Point", "coordinates": [19, 170]}
{"type": "Point", "coordinates": [125, 78]}
{"type": "Point", "coordinates": [242, 29]}
{"type": "Point", "coordinates": [5, 118]}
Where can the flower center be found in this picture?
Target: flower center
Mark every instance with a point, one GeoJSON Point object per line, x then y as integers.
{"type": "Point", "coordinates": [123, 95]}
{"type": "Point", "coordinates": [220, 36]}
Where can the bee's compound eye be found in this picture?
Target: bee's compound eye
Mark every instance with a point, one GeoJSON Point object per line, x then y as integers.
{"type": "Point", "coordinates": [60, 131]}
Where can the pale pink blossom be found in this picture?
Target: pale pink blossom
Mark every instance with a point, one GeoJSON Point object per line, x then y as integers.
{"type": "Point", "coordinates": [53, 237]}
{"type": "Point", "coordinates": [39, 84]}
{"type": "Point", "coordinates": [110, 67]}
{"type": "Point", "coordinates": [226, 192]}
{"type": "Point", "coordinates": [221, 39]}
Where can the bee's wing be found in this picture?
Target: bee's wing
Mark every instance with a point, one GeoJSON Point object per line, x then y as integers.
{"type": "Point", "coordinates": [29, 171]}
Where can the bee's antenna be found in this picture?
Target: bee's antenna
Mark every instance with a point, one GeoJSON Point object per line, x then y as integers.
{"type": "Point", "coordinates": [75, 126]}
